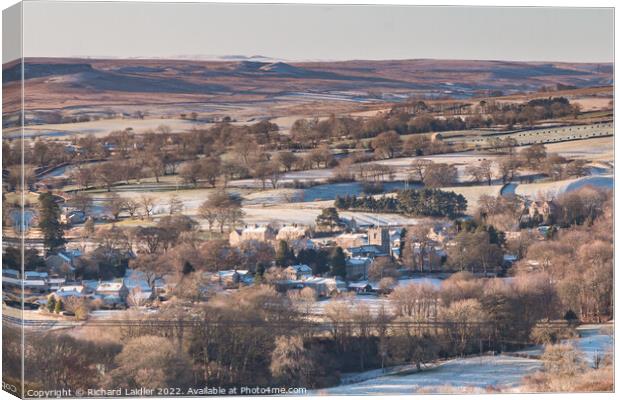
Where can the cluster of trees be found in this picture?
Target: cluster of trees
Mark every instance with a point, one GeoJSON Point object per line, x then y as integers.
{"type": "Point", "coordinates": [222, 208]}
{"type": "Point", "coordinates": [579, 260]}
{"type": "Point", "coordinates": [270, 349]}
{"type": "Point", "coordinates": [433, 174]}
{"type": "Point", "coordinates": [247, 159]}
{"type": "Point", "coordinates": [11, 258]}
{"type": "Point", "coordinates": [153, 153]}
{"type": "Point", "coordinates": [483, 114]}
{"type": "Point", "coordinates": [37, 152]}
{"type": "Point", "coordinates": [503, 212]}
{"type": "Point", "coordinates": [475, 251]}
{"type": "Point", "coordinates": [419, 117]}
{"type": "Point", "coordinates": [530, 158]}
{"type": "Point", "coordinates": [367, 203]}
{"type": "Point", "coordinates": [416, 202]}
{"type": "Point", "coordinates": [565, 369]}
{"type": "Point", "coordinates": [556, 167]}
{"type": "Point", "coordinates": [508, 312]}
{"type": "Point", "coordinates": [531, 112]}
{"type": "Point", "coordinates": [385, 128]}
{"type": "Point", "coordinates": [475, 247]}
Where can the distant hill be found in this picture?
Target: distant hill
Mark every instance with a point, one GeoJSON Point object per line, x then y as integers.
{"type": "Point", "coordinates": [74, 82]}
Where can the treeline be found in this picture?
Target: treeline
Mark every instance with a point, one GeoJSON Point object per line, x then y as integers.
{"type": "Point", "coordinates": [418, 117]}
{"type": "Point", "coordinates": [415, 202]}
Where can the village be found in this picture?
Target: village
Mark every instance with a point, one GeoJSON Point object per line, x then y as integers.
{"type": "Point", "coordinates": [341, 256]}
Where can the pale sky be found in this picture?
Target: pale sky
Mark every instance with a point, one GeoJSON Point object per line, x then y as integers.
{"type": "Point", "coordinates": [316, 32]}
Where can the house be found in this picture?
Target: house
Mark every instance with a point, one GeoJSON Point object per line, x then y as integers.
{"type": "Point", "coordinates": [234, 238]}
{"type": "Point", "coordinates": [11, 280]}
{"type": "Point", "coordinates": [512, 235]}
{"type": "Point", "coordinates": [66, 291]}
{"type": "Point", "coordinates": [541, 211]}
{"type": "Point", "coordinates": [229, 279]}
{"type": "Point", "coordinates": [36, 282]}
{"type": "Point", "coordinates": [113, 293]}
{"type": "Point", "coordinates": [73, 217]}
{"type": "Point", "coordinates": [533, 265]}
{"type": "Point", "coordinates": [245, 277]}
{"type": "Point", "coordinates": [298, 272]}
{"type": "Point", "coordinates": [259, 233]}
{"type": "Point", "coordinates": [357, 267]}
{"type": "Point", "coordinates": [360, 287]}
{"type": "Point", "coordinates": [90, 285]}
{"type": "Point", "coordinates": [292, 233]}
{"type": "Point", "coordinates": [55, 282]}
{"type": "Point", "coordinates": [33, 281]}
{"type": "Point", "coordinates": [62, 263]}
{"type": "Point", "coordinates": [347, 240]}
{"type": "Point", "coordinates": [325, 286]}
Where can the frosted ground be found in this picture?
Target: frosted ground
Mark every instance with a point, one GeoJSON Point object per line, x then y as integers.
{"type": "Point", "coordinates": [546, 189]}
{"type": "Point", "coordinates": [287, 206]}
{"type": "Point", "coordinates": [594, 341]}
{"type": "Point", "coordinates": [477, 372]}
{"type": "Point", "coordinates": [469, 374]}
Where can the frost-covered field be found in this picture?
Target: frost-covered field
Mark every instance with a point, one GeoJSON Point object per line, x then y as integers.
{"type": "Point", "coordinates": [552, 189]}
{"type": "Point", "coordinates": [477, 372]}
{"type": "Point", "coordinates": [301, 214]}
{"type": "Point", "coordinates": [600, 149]}
{"type": "Point", "coordinates": [473, 374]}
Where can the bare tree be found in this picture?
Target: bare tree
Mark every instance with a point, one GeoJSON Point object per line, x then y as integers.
{"type": "Point", "coordinates": [175, 205]}
{"type": "Point", "coordinates": [290, 361]}
{"type": "Point", "coordinates": [387, 144]}
{"type": "Point", "coordinates": [132, 207]}
{"type": "Point", "coordinates": [287, 160]}
{"type": "Point", "coordinates": [419, 167]}
{"type": "Point", "coordinates": [148, 204]}
{"type": "Point", "coordinates": [152, 362]}
{"type": "Point", "coordinates": [116, 205]}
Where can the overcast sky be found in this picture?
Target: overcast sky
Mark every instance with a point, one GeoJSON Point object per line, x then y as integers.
{"type": "Point", "coordinates": [317, 32]}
